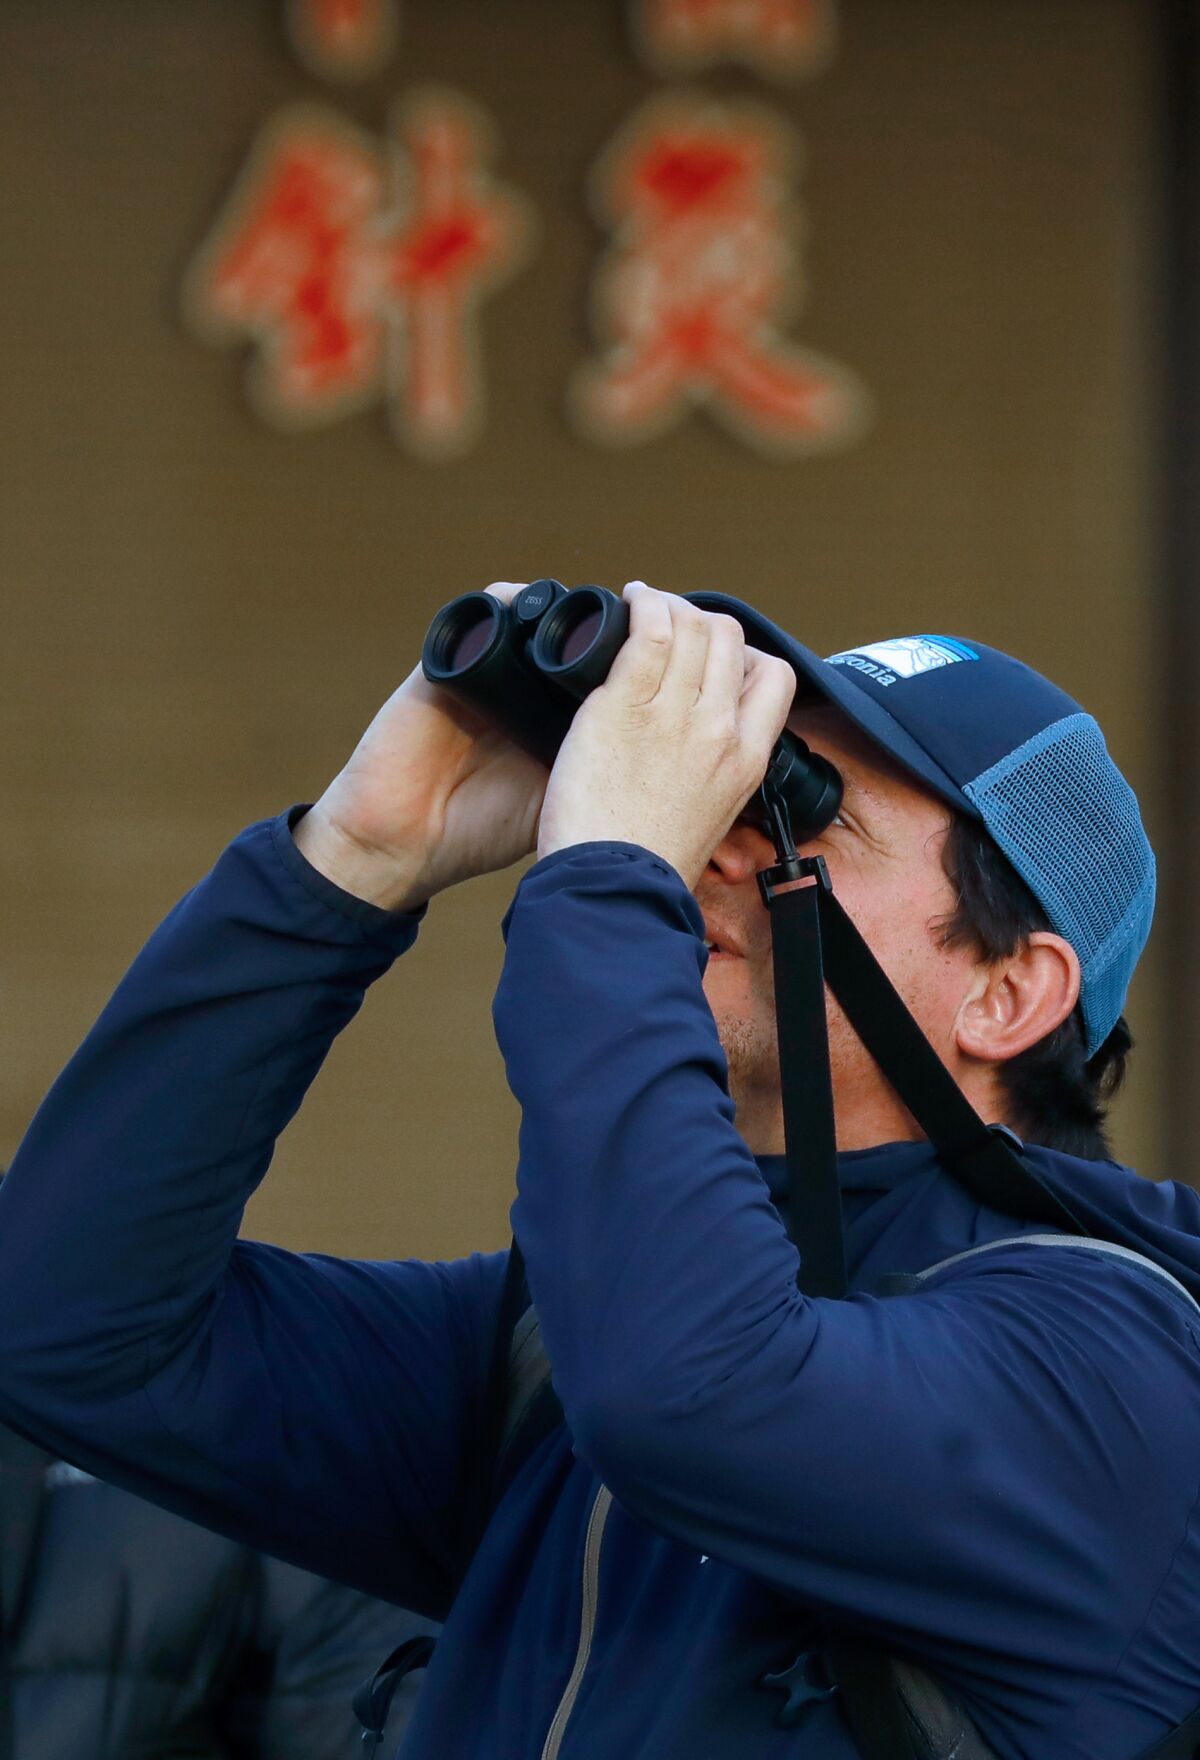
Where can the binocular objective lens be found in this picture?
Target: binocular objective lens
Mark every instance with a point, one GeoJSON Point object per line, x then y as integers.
{"type": "Point", "coordinates": [580, 638]}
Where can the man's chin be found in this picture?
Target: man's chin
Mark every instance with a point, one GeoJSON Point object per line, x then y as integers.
{"type": "Point", "coordinates": [721, 979]}
{"type": "Point", "coordinates": [728, 975]}
{"type": "Point", "coordinates": [745, 1020]}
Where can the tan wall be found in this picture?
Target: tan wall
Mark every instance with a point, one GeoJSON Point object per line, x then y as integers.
{"type": "Point", "coordinates": [200, 614]}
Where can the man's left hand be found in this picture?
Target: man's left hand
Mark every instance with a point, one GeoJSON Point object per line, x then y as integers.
{"type": "Point", "coordinates": [668, 750]}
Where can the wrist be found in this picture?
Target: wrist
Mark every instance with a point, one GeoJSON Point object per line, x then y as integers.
{"type": "Point", "coordinates": [390, 879]}
{"type": "Point", "coordinates": [620, 837]}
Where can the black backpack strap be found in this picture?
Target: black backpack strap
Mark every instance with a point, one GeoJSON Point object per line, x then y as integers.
{"type": "Point", "coordinates": [522, 1404]}
{"type": "Point", "coordinates": [895, 1709]}
{"type": "Point", "coordinates": [532, 1408]}
{"type": "Point", "coordinates": [23, 1498]}
{"type": "Point", "coordinates": [1183, 1743]}
{"type": "Point", "coordinates": [505, 1377]}
{"type": "Point", "coordinates": [373, 1700]}
{"type": "Point", "coordinates": [514, 1303]}
{"type": "Point", "coordinates": [1102, 1249]}
{"type": "Point", "coordinates": [870, 1704]}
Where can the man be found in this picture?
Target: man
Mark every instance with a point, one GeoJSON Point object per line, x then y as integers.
{"type": "Point", "coordinates": [994, 1474]}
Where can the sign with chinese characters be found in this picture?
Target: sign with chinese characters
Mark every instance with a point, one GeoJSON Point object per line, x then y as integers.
{"type": "Point", "coordinates": [357, 269]}
{"type": "Point", "coordinates": [783, 39]}
{"type": "Point", "coordinates": [343, 39]}
{"type": "Point", "coordinates": [701, 277]}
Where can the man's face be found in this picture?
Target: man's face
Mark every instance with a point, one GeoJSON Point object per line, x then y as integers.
{"type": "Point", "coordinates": [884, 853]}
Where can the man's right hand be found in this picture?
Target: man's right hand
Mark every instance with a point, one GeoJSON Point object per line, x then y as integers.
{"type": "Point", "coordinates": [433, 794]}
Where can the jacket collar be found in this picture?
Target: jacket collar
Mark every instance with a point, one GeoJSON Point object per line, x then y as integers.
{"type": "Point", "coordinates": [878, 1169]}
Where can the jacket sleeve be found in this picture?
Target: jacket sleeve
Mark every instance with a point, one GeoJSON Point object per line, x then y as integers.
{"type": "Point", "coordinates": [311, 1407]}
{"type": "Point", "coordinates": [951, 1468]}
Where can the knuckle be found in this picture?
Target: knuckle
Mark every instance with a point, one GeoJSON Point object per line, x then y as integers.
{"type": "Point", "coordinates": [723, 730]}
{"type": "Point", "coordinates": [640, 714]}
{"type": "Point", "coordinates": [689, 616]}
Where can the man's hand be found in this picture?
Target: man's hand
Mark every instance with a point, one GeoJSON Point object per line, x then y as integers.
{"type": "Point", "coordinates": [669, 749]}
{"type": "Point", "coordinates": [432, 795]}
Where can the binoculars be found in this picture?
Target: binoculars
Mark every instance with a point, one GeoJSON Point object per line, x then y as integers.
{"type": "Point", "coordinates": [527, 666]}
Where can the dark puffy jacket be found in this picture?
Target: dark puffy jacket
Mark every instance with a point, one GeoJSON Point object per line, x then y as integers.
{"type": "Point", "coordinates": [129, 1634]}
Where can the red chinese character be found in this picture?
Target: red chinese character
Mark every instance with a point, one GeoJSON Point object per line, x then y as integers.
{"type": "Point", "coordinates": [461, 236]}
{"type": "Point", "coordinates": [350, 298]}
{"type": "Point", "coordinates": [343, 39]}
{"type": "Point", "coordinates": [701, 274]}
{"type": "Point", "coordinates": [784, 39]}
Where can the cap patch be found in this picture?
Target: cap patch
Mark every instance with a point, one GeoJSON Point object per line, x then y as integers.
{"type": "Point", "coordinates": [906, 657]}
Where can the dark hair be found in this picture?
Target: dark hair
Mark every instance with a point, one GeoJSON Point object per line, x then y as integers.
{"type": "Point", "coordinates": [1056, 1094]}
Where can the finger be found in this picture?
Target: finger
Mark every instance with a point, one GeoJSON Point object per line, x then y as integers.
{"type": "Point", "coordinates": [725, 668]}
{"type": "Point", "coordinates": [637, 672]}
{"type": "Point", "coordinates": [767, 692]}
{"type": "Point", "coordinates": [690, 628]}
{"type": "Point", "coordinates": [506, 591]}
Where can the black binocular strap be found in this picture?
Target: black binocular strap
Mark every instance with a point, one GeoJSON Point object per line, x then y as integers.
{"type": "Point", "coordinates": [814, 943]}
{"type": "Point", "coordinates": [814, 1209]}
{"type": "Point", "coordinates": [979, 1155]}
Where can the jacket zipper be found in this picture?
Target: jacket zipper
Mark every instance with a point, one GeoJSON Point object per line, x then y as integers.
{"type": "Point", "coordinates": [587, 1622]}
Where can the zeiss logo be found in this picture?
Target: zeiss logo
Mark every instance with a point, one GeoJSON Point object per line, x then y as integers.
{"type": "Point", "coordinates": [906, 657]}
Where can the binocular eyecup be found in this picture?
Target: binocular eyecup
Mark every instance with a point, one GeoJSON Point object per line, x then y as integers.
{"type": "Point", "coordinates": [527, 666]}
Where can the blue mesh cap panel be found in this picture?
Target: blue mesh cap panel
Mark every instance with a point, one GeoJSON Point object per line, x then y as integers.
{"type": "Point", "coordinates": [1069, 823]}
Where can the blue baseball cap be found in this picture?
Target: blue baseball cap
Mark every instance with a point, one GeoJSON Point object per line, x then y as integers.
{"type": "Point", "coordinates": [1000, 743]}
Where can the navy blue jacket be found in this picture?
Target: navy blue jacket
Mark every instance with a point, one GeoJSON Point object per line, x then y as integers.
{"type": "Point", "coordinates": [996, 1474]}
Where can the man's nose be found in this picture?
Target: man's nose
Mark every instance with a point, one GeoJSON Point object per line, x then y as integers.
{"type": "Point", "coordinates": [743, 852]}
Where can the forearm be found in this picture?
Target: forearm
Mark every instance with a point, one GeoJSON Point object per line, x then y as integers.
{"type": "Point", "coordinates": [123, 1203]}
{"type": "Point", "coordinates": [655, 1256]}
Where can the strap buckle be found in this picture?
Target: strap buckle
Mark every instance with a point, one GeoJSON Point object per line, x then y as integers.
{"type": "Point", "coordinates": [771, 881]}
{"type": "Point", "coordinates": [789, 866]}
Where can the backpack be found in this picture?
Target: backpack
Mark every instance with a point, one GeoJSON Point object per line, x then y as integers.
{"type": "Point", "coordinates": [895, 1710]}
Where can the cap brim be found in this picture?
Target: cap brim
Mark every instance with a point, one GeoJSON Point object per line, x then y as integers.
{"type": "Point", "coordinates": [835, 684]}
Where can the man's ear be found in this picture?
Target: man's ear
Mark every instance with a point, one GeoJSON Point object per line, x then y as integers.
{"type": "Point", "coordinates": [1017, 1001]}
